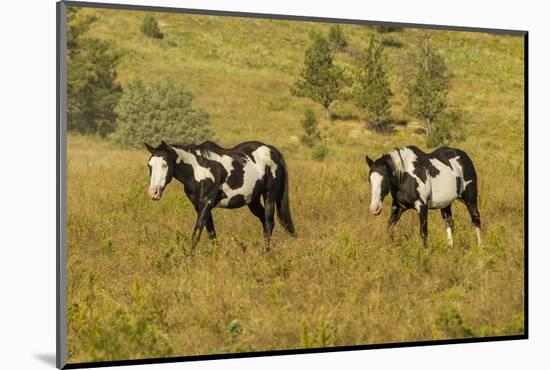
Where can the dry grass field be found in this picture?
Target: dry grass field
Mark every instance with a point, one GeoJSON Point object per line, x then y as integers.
{"type": "Point", "coordinates": [132, 293]}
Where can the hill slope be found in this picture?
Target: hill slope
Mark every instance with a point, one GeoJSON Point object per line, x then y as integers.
{"type": "Point", "coordinates": [241, 70]}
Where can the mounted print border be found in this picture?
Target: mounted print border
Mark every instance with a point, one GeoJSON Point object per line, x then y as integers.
{"type": "Point", "coordinates": [237, 349]}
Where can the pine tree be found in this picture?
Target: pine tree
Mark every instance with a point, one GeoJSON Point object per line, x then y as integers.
{"type": "Point", "coordinates": [311, 129]}
{"type": "Point", "coordinates": [371, 92]}
{"type": "Point", "coordinates": [77, 25]}
{"type": "Point", "coordinates": [92, 89]}
{"type": "Point", "coordinates": [427, 92]}
{"type": "Point", "coordinates": [150, 27]}
{"type": "Point", "coordinates": [321, 80]}
{"type": "Point", "coordinates": [336, 37]}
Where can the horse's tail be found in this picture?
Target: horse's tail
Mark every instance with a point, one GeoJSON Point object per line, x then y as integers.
{"type": "Point", "coordinates": [283, 207]}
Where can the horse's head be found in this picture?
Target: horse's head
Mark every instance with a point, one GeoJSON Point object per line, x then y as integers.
{"type": "Point", "coordinates": [161, 168]}
{"type": "Point", "coordinates": [379, 178]}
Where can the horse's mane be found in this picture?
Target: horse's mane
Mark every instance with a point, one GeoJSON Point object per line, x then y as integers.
{"type": "Point", "coordinates": [205, 149]}
{"type": "Point", "coordinates": [397, 161]}
{"type": "Point", "coordinates": [197, 149]}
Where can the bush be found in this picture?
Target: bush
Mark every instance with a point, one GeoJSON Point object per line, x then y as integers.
{"type": "Point", "coordinates": [449, 321]}
{"type": "Point", "coordinates": [160, 111]}
{"type": "Point", "coordinates": [101, 329]}
{"type": "Point", "coordinates": [444, 128]}
{"type": "Point", "coordinates": [385, 126]}
{"type": "Point", "coordinates": [440, 135]}
{"type": "Point", "coordinates": [235, 329]}
{"type": "Point", "coordinates": [310, 126]}
{"type": "Point", "coordinates": [336, 37]}
{"type": "Point", "coordinates": [150, 27]}
{"type": "Point", "coordinates": [388, 29]}
{"type": "Point", "coordinates": [320, 152]}
{"type": "Point", "coordinates": [390, 42]}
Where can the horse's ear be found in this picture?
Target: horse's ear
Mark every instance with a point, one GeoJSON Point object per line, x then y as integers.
{"type": "Point", "coordinates": [149, 148]}
{"type": "Point", "coordinates": [163, 144]}
{"type": "Point", "coordinates": [370, 162]}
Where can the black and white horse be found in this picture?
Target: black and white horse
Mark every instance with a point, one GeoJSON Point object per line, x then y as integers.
{"type": "Point", "coordinates": [422, 181]}
{"type": "Point", "coordinates": [227, 178]}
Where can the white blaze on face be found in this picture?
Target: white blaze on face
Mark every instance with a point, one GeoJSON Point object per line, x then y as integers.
{"type": "Point", "coordinates": [376, 191]}
{"type": "Point", "coordinates": [159, 171]}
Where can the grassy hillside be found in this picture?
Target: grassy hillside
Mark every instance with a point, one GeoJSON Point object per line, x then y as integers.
{"type": "Point", "coordinates": [241, 70]}
{"type": "Point", "coordinates": [133, 294]}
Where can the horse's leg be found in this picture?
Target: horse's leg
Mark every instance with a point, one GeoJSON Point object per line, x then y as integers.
{"type": "Point", "coordinates": [470, 200]}
{"type": "Point", "coordinates": [210, 227]}
{"type": "Point", "coordinates": [476, 219]}
{"type": "Point", "coordinates": [202, 215]}
{"type": "Point", "coordinates": [423, 216]}
{"type": "Point", "coordinates": [396, 213]}
{"type": "Point", "coordinates": [258, 210]}
{"type": "Point", "coordinates": [269, 221]}
{"type": "Point", "coordinates": [448, 217]}
{"type": "Point", "coordinates": [209, 224]}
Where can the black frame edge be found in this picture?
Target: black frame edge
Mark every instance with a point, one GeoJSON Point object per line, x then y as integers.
{"type": "Point", "coordinates": [222, 356]}
{"type": "Point", "coordinates": [526, 183]}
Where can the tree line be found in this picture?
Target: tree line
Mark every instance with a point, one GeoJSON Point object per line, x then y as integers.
{"type": "Point", "coordinates": [98, 104]}
{"type": "Point", "coordinates": [368, 86]}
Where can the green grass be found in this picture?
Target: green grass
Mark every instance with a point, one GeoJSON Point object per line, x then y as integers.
{"type": "Point", "coordinates": [132, 292]}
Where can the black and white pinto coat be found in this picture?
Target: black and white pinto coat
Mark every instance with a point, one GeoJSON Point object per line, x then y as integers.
{"type": "Point", "coordinates": [213, 176]}
{"type": "Point", "coordinates": [422, 181]}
